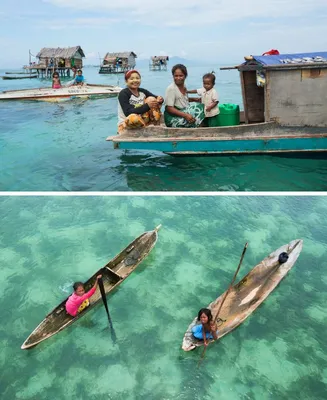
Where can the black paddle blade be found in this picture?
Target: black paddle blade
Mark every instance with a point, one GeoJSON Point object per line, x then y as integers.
{"type": "Point", "coordinates": [104, 299]}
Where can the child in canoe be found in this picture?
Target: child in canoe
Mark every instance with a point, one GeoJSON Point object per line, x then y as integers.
{"type": "Point", "coordinates": [137, 107]}
{"type": "Point", "coordinates": [56, 84]}
{"type": "Point", "coordinates": [79, 299]}
{"type": "Point", "coordinates": [210, 99]}
{"type": "Point", "coordinates": [207, 325]}
{"type": "Point", "coordinates": [79, 78]}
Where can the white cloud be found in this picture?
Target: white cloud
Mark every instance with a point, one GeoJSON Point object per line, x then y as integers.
{"type": "Point", "coordinates": [78, 23]}
{"type": "Point", "coordinates": [190, 12]}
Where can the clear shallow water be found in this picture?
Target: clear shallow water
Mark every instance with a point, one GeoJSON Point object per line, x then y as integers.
{"type": "Point", "coordinates": [49, 242]}
{"type": "Point", "coordinates": [62, 147]}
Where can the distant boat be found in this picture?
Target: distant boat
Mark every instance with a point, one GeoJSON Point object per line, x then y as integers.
{"type": "Point", "coordinates": [88, 91]}
{"type": "Point", "coordinates": [19, 77]}
{"type": "Point", "coordinates": [16, 73]}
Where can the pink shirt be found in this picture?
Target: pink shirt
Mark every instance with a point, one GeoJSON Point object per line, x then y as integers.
{"type": "Point", "coordinates": [75, 301]}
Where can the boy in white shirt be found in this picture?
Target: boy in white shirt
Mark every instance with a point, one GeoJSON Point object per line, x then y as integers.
{"type": "Point", "coordinates": [210, 99]}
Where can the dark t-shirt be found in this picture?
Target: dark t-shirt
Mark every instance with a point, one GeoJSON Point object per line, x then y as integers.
{"type": "Point", "coordinates": [128, 103]}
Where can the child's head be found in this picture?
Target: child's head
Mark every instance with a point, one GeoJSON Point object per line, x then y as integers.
{"type": "Point", "coordinates": [79, 288]}
{"type": "Point", "coordinates": [79, 72]}
{"type": "Point", "coordinates": [55, 75]}
{"type": "Point", "coordinates": [209, 81]}
{"type": "Point", "coordinates": [179, 72]}
{"type": "Point", "coordinates": [133, 79]}
{"type": "Point", "coordinates": [204, 315]}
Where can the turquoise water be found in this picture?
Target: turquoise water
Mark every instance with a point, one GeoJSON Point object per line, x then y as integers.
{"type": "Point", "coordinates": [62, 147]}
{"type": "Point", "coordinates": [49, 242]}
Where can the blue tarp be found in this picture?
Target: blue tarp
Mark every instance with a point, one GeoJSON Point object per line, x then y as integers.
{"type": "Point", "coordinates": [320, 56]}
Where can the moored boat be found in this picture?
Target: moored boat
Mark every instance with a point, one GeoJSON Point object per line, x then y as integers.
{"type": "Point", "coordinates": [87, 91]}
{"type": "Point", "coordinates": [113, 274]}
{"type": "Point", "coordinates": [19, 77]}
{"type": "Point", "coordinates": [285, 111]}
{"type": "Point", "coordinates": [16, 73]}
{"type": "Point", "coordinates": [245, 296]}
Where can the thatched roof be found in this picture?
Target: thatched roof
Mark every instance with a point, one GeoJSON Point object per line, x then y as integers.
{"type": "Point", "coordinates": [59, 52]}
{"type": "Point", "coordinates": [160, 58]}
{"type": "Point", "coordinates": [123, 54]}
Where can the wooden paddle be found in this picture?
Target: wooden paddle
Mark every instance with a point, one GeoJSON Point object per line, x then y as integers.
{"type": "Point", "coordinates": [104, 299]}
{"type": "Point", "coordinates": [224, 298]}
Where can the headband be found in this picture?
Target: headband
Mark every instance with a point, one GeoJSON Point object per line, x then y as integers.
{"type": "Point", "coordinates": [130, 72]}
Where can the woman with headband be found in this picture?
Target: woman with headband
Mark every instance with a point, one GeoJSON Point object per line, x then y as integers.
{"type": "Point", "coordinates": [137, 107]}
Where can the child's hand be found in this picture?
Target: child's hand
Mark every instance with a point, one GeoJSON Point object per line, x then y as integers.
{"type": "Point", "coordinates": [160, 99]}
{"type": "Point", "coordinates": [99, 276]}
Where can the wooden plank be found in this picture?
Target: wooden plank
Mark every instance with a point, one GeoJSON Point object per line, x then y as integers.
{"type": "Point", "coordinates": [296, 66]}
{"type": "Point", "coordinates": [225, 68]}
{"type": "Point", "coordinates": [245, 104]}
{"type": "Point", "coordinates": [277, 135]}
{"type": "Point", "coordinates": [313, 73]}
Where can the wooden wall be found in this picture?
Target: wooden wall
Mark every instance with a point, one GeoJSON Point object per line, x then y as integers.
{"type": "Point", "coordinates": [297, 97]}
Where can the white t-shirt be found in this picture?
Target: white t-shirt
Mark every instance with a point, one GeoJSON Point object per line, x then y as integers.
{"type": "Point", "coordinates": [174, 97]}
{"type": "Point", "coordinates": [207, 98]}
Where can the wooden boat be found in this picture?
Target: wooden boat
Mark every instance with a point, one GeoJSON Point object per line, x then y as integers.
{"type": "Point", "coordinates": [260, 138]}
{"type": "Point", "coordinates": [16, 73]}
{"type": "Point", "coordinates": [245, 296]}
{"type": "Point", "coordinates": [285, 111]}
{"type": "Point", "coordinates": [87, 91]}
{"type": "Point", "coordinates": [113, 274]}
{"type": "Point", "coordinates": [19, 77]}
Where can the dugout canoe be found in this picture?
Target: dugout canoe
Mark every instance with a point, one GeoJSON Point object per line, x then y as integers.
{"type": "Point", "coordinates": [113, 274]}
{"type": "Point", "coordinates": [248, 294]}
{"type": "Point", "coordinates": [87, 91]}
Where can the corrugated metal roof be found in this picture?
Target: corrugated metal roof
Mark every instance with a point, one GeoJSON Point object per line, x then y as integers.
{"type": "Point", "coordinates": [59, 52]}
{"type": "Point", "coordinates": [123, 54]}
{"type": "Point", "coordinates": [298, 58]}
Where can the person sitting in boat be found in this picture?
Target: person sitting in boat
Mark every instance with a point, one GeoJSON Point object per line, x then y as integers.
{"type": "Point", "coordinates": [137, 107]}
{"type": "Point", "coordinates": [56, 84]}
{"type": "Point", "coordinates": [207, 325]}
{"type": "Point", "coordinates": [79, 299]}
{"type": "Point", "coordinates": [209, 98]}
{"type": "Point", "coordinates": [179, 113]}
{"type": "Point", "coordinates": [79, 79]}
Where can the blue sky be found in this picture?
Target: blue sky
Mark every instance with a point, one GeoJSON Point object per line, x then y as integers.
{"type": "Point", "coordinates": [218, 30]}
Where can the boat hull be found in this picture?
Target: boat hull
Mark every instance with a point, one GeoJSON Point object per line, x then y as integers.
{"type": "Point", "coordinates": [63, 94]}
{"type": "Point", "coordinates": [263, 138]}
{"type": "Point", "coordinates": [19, 77]}
{"type": "Point", "coordinates": [113, 274]}
{"type": "Point", "coordinates": [248, 294]}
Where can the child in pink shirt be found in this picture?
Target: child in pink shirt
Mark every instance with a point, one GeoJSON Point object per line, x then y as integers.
{"type": "Point", "coordinates": [79, 299]}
